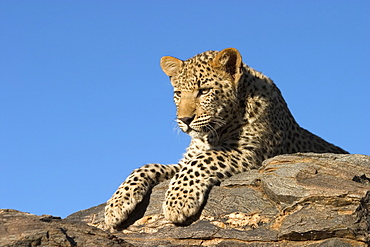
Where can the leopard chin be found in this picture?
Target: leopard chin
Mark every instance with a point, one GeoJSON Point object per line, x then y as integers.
{"type": "Point", "coordinates": [196, 134]}
{"type": "Point", "coordinates": [204, 131]}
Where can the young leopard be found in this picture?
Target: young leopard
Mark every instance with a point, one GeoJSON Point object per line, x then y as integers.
{"type": "Point", "coordinates": [236, 117]}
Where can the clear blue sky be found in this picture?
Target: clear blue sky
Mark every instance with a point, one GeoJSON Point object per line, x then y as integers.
{"type": "Point", "coordinates": [83, 100]}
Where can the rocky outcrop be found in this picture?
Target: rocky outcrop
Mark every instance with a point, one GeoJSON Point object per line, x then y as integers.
{"type": "Point", "coordinates": [293, 200]}
{"type": "Point", "coordinates": [18, 229]}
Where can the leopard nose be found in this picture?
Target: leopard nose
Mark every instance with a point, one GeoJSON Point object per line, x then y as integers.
{"type": "Point", "coordinates": [187, 120]}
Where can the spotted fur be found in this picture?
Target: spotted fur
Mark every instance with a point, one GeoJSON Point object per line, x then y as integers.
{"type": "Point", "coordinates": [236, 117]}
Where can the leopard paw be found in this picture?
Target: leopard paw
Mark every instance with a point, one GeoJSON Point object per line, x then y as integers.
{"type": "Point", "coordinates": [121, 204]}
{"type": "Point", "coordinates": [180, 206]}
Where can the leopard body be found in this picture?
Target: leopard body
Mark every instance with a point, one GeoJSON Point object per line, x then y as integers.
{"type": "Point", "coordinates": [236, 117]}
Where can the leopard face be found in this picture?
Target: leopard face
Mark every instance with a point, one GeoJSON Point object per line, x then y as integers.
{"type": "Point", "coordinates": [204, 94]}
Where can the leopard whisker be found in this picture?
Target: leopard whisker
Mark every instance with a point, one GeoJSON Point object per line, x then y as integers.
{"type": "Point", "coordinates": [176, 128]}
{"type": "Point", "coordinates": [213, 131]}
{"type": "Point", "coordinates": [218, 121]}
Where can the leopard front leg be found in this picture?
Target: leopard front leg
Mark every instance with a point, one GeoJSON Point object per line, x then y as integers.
{"type": "Point", "coordinates": [132, 191]}
{"type": "Point", "coordinates": [187, 189]}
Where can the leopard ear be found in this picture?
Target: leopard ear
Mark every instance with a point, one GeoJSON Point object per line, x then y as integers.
{"type": "Point", "coordinates": [228, 60]}
{"type": "Point", "coordinates": [170, 65]}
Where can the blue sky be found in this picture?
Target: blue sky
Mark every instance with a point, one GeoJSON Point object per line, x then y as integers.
{"type": "Point", "coordinates": [83, 100]}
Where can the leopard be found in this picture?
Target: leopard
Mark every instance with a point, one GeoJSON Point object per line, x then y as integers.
{"type": "Point", "coordinates": [236, 118]}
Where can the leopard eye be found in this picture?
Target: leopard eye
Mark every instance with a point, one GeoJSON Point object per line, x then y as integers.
{"type": "Point", "coordinates": [204, 91]}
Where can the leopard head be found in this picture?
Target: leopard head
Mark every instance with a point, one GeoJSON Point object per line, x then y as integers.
{"type": "Point", "coordinates": [204, 89]}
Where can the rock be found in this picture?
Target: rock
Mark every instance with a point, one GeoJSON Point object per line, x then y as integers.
{"type": "Point", "coordinates": [292, 200]}
{"type": "Point", "coordinates": [24, 229]}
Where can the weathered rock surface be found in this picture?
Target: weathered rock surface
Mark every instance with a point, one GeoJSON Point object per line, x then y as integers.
{"type": "Point", "coordinates": [18, 229]}
{"type": "Point", "coordinates": [293, 200]}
